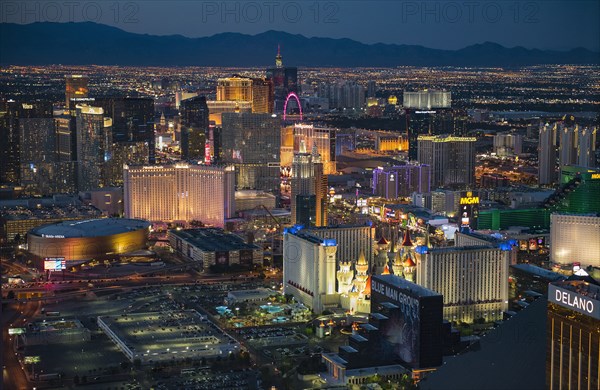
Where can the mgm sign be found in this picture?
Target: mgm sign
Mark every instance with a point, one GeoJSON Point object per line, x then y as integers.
{"type": "Point", "coordinates": [468, 209]}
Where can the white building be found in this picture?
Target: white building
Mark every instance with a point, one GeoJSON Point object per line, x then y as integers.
{"type": "Point", "coordinates": [180, 192]}
{"type": "Point", "coordinates": [309, 269]}
{"type": "Point", "coordinates": [472, 279]}
{"type": "Point", "coordinates": [427, 99]}
{"type": "Point", "coordinates": [351, 240]}
{"type": "Point", "coordinates": [507, 144]}
{"type": "Point", "coordinates": [575, 238]}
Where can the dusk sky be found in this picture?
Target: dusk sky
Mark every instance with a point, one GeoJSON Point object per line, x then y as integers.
{"type": "Point", "coordinates": [547, 24]}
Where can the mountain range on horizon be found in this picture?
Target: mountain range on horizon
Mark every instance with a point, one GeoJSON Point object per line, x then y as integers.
{"type": "Point", "coordinates": [88, 43]}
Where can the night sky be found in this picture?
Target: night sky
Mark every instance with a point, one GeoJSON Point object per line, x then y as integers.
{"type": "Point", "coordinates": [446, 24]}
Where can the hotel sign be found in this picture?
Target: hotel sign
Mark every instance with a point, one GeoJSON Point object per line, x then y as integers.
{"type": "Point", "coordinates": [576, 302]}
{"type": "Point", "coordinates": [468, 198]}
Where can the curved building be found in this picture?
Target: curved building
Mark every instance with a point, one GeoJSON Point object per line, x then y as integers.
{"type": "Point", "coordinates": [88, 239]}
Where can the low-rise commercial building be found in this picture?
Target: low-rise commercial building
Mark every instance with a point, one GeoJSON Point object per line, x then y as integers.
{"type": "Point", "coordinates": [213, 247]}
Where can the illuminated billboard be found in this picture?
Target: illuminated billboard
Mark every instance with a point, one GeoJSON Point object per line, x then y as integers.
{"type": "Point", "coordinates": [412, 330]}
{"type": "Point", "coordinates": [468, 209]}
{"type": "Point", "coordinates": [54, 264]}
{"type": "Point", "coordinates": [12, 331]}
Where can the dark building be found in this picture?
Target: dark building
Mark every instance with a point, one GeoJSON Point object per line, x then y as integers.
{"type": "Point", "coordinates": [194, 128]}
{"type": "Point", "coordinates": [252, 142]}
{"type": "Point", "coordinates": [132, 120]}
{"type": "Point", "coordinates": [410, 320]}
{"type": "Point", "coordinates": [573, 339]}
{"type": "Point", "coordinates": [451, 158]}
{"type": "Point", "coordinates": [433, 122]}
{"type": "Point", "coordinates": [306, 210]}
{"type": "Point", "coordinates": [284, 79]}
{"type": "Point", "coordinates": [9, 147]}
{"type": "Point", "coordinates": [42, 172]}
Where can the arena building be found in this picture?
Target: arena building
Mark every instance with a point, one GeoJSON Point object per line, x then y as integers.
{"type": "Point", "coordinates": [71, 241]}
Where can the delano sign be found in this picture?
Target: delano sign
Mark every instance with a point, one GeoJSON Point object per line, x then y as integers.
{"type": "Point", "coordinates": [571, 300]}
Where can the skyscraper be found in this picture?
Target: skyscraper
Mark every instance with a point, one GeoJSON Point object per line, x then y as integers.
{"type": "Point", "coordinates": [403, 180]}
{"type": "Point", "coordinates": [252, 142]}
{"type": "Point", "coordinates": [309, 269]}
{"type": "Point", "coordinates": [573, 335]}
{"type": "Point", "coordinates": [575, 238]}
{"type": "Point", "coordinates": [9, 147]}
{"type": "Point", "coordinates": [547, 154]}
{"type": "Point", "coordinates": [472, 279]}
{"type": "Point", "coordinates": [133, 120]}
{"type": "Point", "coordinates": [308, 189]}
{"type": "Point", "coordinates": [507, 144]}
{"type": "Point", "coordinates": [262, 96]}
{"type": "Point", "coordinates": [436, 121]}
{"type": "Point", "coordinates": [323, 138]}
{"type": "Point", "coordinates": [180, 192]}
{"type": "Point", "coordinates": [243, 89]}
{"type": "Point", "coordinates": [41, 172]}
{"type": "Point", "coordinates": [452, 159]}
{"type": "Point", "coordinates": [76, 87]}
{"type": "Point", "coordinates": [235, 88]}
{"type": "Point", "coordinates": [577, 143]}
{"type": "Point", "coordinates": [284, 79]}
{"type": "Point", "coordinates": [94, 147]}
{"type": "Point", "coordinates": [194, 128]}
{"type": "Point", "coordinates": [427, 99]}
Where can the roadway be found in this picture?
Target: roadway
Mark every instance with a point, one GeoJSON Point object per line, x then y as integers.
{"type": "Point", "coordinates": [15, 315]}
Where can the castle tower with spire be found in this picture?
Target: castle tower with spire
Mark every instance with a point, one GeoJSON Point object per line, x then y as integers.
{"type": "Point", "coordinates": [397, 266]}
{"type": "Point", "coordinates": [409, 268]}
{"type": "Point", "coordinates": [406, 265]}
{"type": "Point", "coordinates": [344, 277]}
{"type": "Point", "coordinates": [360, 279]}
{"type": "Point", "coordinates": [381, 259]}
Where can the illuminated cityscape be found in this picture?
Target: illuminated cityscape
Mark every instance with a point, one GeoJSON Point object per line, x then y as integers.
{"type": "Point", "coordinates": [286, 211]}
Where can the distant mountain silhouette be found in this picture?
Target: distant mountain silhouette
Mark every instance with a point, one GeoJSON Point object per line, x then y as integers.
{"type": "Point", "coordinates": [91, 43]}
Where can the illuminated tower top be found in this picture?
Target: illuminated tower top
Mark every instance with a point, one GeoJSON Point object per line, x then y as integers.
{"type": "Point", "coordinates": [278, 59]}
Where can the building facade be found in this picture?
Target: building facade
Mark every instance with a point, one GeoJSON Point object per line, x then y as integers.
{"type": "Point", "coordinates": [451, 160]}
{"type": "Point", "coordinates": [252, 143]}
{"type": "Point", "coordinates": [309, 269]}
{"type": "Point", "coordinates": [573, 335]}
{"type": "Point", "coordinates": [575, 238]}
{"type": "Point", "coordinates": [194, 128]}
{"type": "Point", "coordinates": [508, 144]}
{"type": "Point", "coordinates": [472, 279]}
{"type": "Point", "coordinates": [94, 148]}
{"type": "Point", "coordinates": [547, 173]}
{"type": "Point", "coordinates": [351, 240]}
{"type": "Point", "coordinates": [180, 192]}
{"type": "Point", "coordinates": [427, 99]}
{"type": "Point", "coordinates": [215, 249]}
{"type": "Point", "coordinates": [308, 189]}
{"type": "Point", "coordinates": [401, 181]}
